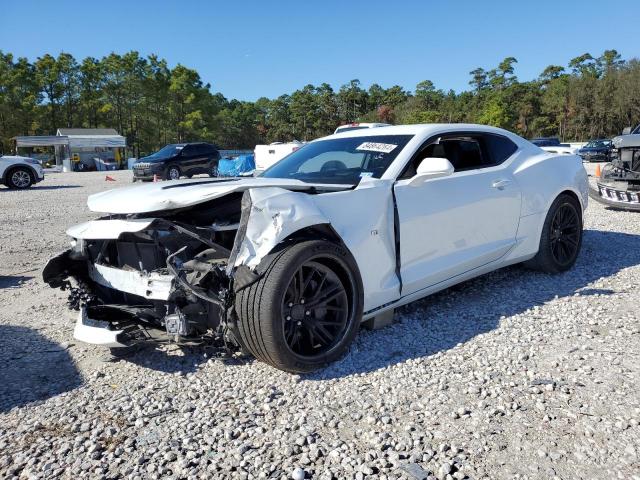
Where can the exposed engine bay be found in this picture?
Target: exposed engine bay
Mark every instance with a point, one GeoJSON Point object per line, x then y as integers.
{"type": "Point", "coordinates": [171, 278]}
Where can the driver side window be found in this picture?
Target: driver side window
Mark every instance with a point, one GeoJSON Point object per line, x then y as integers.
{"type": "Point", "coordinates": [464, 151]}
{"type": "Point", "coordinates": [188, 151]}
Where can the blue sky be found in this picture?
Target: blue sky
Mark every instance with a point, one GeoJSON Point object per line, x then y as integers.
{"type": "Point", "coordinates": [249, 49]}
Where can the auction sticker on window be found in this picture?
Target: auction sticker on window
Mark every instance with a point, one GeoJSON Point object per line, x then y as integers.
{"type": "Point", "coordinates": [377, 147]}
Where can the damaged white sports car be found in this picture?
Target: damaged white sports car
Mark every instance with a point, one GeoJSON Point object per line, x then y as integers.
{"type": "Point", "coordinates": [287, 265]}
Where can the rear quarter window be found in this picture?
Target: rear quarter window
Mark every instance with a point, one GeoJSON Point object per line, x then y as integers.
{"type": "Point", "coordinates": [499, 148]}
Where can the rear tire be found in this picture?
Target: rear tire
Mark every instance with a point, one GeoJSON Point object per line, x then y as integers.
{"type": "Point", "coordinates": [20, 178]}
{"type": "Point", "coordinates": [282, 318]}
{"type": "Point", "coordinates": [561, 236]}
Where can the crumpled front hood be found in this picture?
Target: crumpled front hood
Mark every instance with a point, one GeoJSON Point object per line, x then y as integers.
{"type": "Point", "coordinates": [158, 196]}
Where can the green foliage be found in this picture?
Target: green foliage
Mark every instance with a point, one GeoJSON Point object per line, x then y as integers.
{"type": "Point", "coordinates": [152, 104]}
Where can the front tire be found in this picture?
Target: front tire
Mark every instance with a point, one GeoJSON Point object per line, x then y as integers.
{"type": "Point", "coordinates": [173, 173]}
{"type": "Point", "coordinates": [305, 310]}
{"type": "Point", "coordinates": [213, 170]}
{"type": "Point", "coordinates": [561, 237]}
{"type": "Point", "coordinates": [20, 178]}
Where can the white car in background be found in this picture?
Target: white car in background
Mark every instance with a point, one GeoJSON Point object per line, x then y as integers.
{"type": "Point", "coordinates": [562, 150]}
{"type": "Point", "coordinates": [267, 155]}
{"type": "Point", "coordinates": [20, 172]}
{"type": "Point", "coordinates": [286, 266]}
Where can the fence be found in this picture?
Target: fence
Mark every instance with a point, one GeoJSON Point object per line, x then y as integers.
{"type": "Point", "coordinates": [234, 153]}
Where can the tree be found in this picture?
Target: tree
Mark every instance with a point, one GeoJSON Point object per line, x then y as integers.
{"type": "Point", "coordinates": [502, 77]}
{"type": "Point", "coordinates": [153, 104]}
{"type": "Point", "coordinates": [479, 79]}
{"type": "Point", "coordinates": [303, 109]}
{"type": "Point", "coordinates": [68, 72]}
{"type": "Point", "coordinates": [584, 65]}
{"type": "Point", "coordinates": [48, 78]}
{"type": "Point", "coordinates": [551, 73]}
{"type": "Point", "coordinates": [90, 85]}
{"type": "Point", "coordinates": [352, 101]}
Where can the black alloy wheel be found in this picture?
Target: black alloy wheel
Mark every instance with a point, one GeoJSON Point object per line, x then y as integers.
{"type": "Point", "coordinates": [565, 234]}
{"type": "Point", "coordinates": [305, 309]}
{"type": "Point", "coordinates": [315, 310]}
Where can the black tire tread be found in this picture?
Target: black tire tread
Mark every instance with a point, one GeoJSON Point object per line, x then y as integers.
{"type": "Point", "coordinates": [250, 300]}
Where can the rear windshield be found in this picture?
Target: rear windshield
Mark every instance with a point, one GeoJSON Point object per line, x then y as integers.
{"type": "Point", "coordinates": [340, 160]}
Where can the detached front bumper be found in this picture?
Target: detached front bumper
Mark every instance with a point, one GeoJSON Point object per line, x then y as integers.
{"type": "Point", "coordinates": [97, 332]}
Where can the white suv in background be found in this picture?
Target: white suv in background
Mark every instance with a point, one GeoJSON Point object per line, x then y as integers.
{"type": "Point", "coordinates": [20, 172]}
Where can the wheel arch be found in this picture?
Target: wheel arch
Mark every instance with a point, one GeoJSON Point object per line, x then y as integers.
{"type": "Point", "coordinates": [530, 227]}
{"type": "Point", "coordinates": [269, 224]}
{"type": "Point", "coordinates": [13, 168]}
{"type": "Point", "coordinates": [319, 231]}
{"type": "Point", "coordinates": [324, 231]}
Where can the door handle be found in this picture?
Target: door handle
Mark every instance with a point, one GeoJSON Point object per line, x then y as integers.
{"type": "Point", "coordinates": [500, 184]}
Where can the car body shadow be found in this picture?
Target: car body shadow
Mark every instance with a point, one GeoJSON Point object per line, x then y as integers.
{"type": "Point", "coordinates": [33, 367]}
{"type": "Point", "coordinates": [13, 281]}
{"type": "Point", "coordinates": [442, 321]}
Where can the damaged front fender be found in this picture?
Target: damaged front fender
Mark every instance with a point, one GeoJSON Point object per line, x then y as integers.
{"type": "Point", "coordinates": [270, 215]}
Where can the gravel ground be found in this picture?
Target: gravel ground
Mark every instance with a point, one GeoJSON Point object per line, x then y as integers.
{"type": "Point", "coordinates": [513, 375]}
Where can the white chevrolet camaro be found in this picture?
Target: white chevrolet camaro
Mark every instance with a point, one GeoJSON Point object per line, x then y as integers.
{"type": "Point", "coordinates": [286, 266]}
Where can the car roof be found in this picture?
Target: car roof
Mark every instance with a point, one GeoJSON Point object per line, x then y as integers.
{"type": "Point", "coordinates": [423, 129]}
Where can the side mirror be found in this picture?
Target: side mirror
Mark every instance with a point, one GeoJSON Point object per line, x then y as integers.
{"type": "Point", "coordinates": [431, 167]}
{"type": "Point", "coordinates": [626, 130]}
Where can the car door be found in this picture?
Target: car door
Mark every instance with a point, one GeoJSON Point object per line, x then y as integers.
{"type": "Point", "coordinates": [184, 159]}
{"type": "Point", "coordinates": [454, 224]}
{"type": "Point", "coordinates": [200, 159]}
{"type": "Point", "coordinates": [189, 159]}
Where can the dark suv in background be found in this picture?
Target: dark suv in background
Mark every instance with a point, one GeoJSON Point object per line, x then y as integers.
{"type": "Point", "coordinates": [178, 160]}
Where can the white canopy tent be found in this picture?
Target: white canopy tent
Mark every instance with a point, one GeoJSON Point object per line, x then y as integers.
{"type": "Point", "coordinates": [71, 140]}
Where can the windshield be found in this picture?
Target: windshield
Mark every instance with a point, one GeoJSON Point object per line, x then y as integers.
{"type": "Point", "coordinates": [348, 129]}
{"type": "Point", "coordinates": [597, 144]}
{"type": "Point", "coordinates": [340, 160]}
{"type": "Point", "coordinates": [165, 152]}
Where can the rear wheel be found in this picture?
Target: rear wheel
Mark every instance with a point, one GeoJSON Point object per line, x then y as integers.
{"type": "Point", "coordinates": [305, 310]}
{"type": "Point", "coordinates": [561, 237]}
{"type": "Point", "coordinates": [19, 178]}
